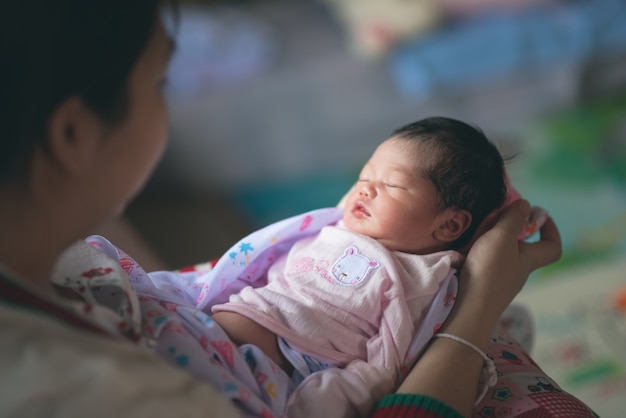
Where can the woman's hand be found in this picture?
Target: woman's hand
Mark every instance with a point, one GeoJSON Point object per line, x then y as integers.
{"type": "Point", "coordinates": [495, 270]}
{"type": "Point", "coordinates": [498, 265]}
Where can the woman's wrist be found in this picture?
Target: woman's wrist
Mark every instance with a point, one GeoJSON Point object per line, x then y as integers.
{"type": "Point", "coordinates": [453, 371]}
{"type": "Point", "coordinates": [473, 321]}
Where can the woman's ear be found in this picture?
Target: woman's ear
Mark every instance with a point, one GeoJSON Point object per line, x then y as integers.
{"type": "Point", "coordinates": [73, 134]}
{"type": "Point", "coordinates": [454, 223]}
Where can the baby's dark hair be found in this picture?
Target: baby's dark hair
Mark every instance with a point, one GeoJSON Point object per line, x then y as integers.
{"type": "Point", "coordinates": [467, 170]}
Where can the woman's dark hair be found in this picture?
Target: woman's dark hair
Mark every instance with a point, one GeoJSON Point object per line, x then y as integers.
{"type": "Point", "coordinates": [466, 169]}
{"type": "Point", "coordinates": [53, 49]}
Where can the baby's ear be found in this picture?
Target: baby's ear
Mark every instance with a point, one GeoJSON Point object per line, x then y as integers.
{"type": "Point", "coordinates": [454, 223]}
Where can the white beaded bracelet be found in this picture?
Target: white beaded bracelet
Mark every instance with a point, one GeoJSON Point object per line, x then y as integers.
{"type": "Point", "coordinates": [489, 375]}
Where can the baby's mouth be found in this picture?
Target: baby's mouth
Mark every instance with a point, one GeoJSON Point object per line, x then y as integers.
{"type": "Point", "coordinates": [359, 210]}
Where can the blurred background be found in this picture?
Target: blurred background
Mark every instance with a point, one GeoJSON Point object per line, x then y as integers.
{"type": "Point", "coordinates": [275, 105]}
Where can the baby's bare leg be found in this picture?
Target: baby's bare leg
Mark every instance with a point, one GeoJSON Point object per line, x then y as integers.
{"type": "Point", "coordinates": [242, 330]}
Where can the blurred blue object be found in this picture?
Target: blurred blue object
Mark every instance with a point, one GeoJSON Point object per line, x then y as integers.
{"type": "Point", "coordinates": [500, 44]}
{"type": "Point", "coordinates": [216, 47]}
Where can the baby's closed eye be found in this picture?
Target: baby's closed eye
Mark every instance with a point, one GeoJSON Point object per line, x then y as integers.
{"type": "Point", "coordinates": [395, 186]}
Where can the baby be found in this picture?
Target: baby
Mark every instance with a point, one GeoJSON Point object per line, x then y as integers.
{"type": "Point", "coordinates": [359, 289]}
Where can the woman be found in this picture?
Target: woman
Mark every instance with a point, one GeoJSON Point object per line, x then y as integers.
{"type": "Point", "coordinates": [82, 125]}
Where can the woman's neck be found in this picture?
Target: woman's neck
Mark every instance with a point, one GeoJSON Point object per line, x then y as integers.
{"type": "Point", "coordinates": [31, 241]}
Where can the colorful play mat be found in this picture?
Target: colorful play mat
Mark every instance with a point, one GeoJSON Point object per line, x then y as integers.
{"type": "Point", "coordinates": [574, 164]}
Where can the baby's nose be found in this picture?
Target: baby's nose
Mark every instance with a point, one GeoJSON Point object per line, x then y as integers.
{"type": "Point", "coordinates": [367, 190]}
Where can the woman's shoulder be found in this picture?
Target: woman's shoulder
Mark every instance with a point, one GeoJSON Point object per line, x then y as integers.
{"type": "Point", "coordinates": [81, 372]}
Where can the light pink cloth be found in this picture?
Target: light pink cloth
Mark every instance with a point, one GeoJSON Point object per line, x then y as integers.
{"type": "Point", "coordinates": [341, 296]}
{"type": "Point", "coordinates": [174, 307]}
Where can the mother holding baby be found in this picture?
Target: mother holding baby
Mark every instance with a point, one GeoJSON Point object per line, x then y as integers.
{"type": "Point", "coordinates": [82, 125]}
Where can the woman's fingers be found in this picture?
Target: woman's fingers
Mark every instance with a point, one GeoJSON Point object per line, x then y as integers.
{"type": "Point", "coordinates": [499, 254]}
{"type": "Point", "coordinates": [503, 236]}
{"type": "Point", "coordinates": [513, 218]}
{"type": "Point", "coordinates": [545, 251]}
{"type": "Point", "coordinates": [537, 254]}
{"type": "Point", "coordinates": [496, 254]}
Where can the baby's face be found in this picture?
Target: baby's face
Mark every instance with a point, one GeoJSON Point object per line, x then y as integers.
{"type": "Point", "coordinates": [393, 203]}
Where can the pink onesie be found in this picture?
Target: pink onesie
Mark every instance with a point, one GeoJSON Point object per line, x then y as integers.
{"type": "Point", "coordinates": [339, 296]}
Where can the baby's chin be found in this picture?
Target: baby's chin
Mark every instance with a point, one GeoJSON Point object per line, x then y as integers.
{"type": "Point", "coordinates": [353, 224]}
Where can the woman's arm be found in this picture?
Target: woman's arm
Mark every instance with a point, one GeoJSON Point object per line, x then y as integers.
{"type": "Point", "coordinates": [494, 272]}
